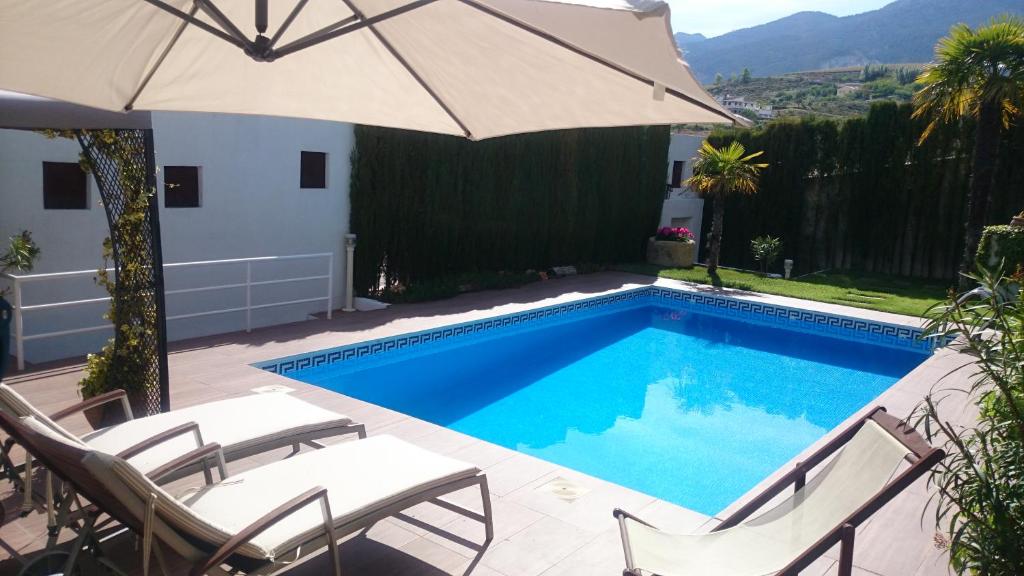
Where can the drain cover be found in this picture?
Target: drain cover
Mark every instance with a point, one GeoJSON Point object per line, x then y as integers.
{"type": "Point", "coordinates": [565, 489]}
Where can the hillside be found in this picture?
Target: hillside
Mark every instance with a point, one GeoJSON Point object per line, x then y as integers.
{"type": "Point", "coordinates": [836, 93]}
{"type": "Point", "coordinates": [903, 31]}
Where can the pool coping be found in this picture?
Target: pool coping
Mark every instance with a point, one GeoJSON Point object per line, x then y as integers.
{"type": "Point", "coordinates": [737, 305]}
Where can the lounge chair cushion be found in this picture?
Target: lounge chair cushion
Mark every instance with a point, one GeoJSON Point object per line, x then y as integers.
{"type": "Point", "coordinates": [44, 429]}
{"type": "Point", "coordinates": [361, 478]}
{"type": "Point", "coordinates": [16, 405]}
{"type": "Point", "coordinates": [237, 424]}
{"type": "Point", "coordinates": [768, 542]}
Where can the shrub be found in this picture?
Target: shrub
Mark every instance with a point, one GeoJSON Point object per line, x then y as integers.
{"type": "Point", "coordinates": [1002, 243]}
{"type": "Point", "coordinates": [980, 483]}
{"type": "Point", "coordinates": [766, 250]}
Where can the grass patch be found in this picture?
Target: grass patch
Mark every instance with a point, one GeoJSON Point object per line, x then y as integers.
{"type": "Point", "coordinates": [899, 295]}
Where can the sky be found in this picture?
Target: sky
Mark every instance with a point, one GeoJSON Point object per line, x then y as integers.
{"type": "Point", "coordinates": [715, 17]}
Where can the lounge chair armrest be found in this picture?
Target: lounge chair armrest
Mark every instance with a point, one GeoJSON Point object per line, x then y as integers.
{"type": "Point", "coordinates": [798, 474]}
{"type": "Point", "coordinates": [201, 454]}
{"type": "Point", "coordinates": [105, 398]}
{"type": "Point", "coordinates": [268, 520]}
{"type": "Point", "coordinates": [161, 437]}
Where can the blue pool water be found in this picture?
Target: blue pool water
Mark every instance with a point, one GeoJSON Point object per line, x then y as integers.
{"type": "Point", "coordinates": [691, 408]}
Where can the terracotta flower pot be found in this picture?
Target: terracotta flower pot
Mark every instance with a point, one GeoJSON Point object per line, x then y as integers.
{"type": "Point", "coordinates": [671, 253]}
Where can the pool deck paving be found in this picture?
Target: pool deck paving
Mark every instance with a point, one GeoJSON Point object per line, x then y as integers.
{"type": "Point", "coordinates": [536, 531]}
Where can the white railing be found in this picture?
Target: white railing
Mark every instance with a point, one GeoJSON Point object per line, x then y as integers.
{"type": "Point", "coordinates": [18, 282]}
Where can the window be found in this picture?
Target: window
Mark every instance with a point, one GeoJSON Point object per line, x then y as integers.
{"type": "Point", "coordinates": [313, 173]}
{"type": "Point", "coordinates": [64, 186]}
{"type": "Point", "coordinates": [181, 186]}
{"type": "Point", "coordinates": [677, 173]}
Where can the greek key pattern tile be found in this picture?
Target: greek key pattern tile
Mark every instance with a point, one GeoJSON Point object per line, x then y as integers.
{"type": "Point", "coordinates": [859, 329]}
{"type": "Point", "coordinates": [416, 343]}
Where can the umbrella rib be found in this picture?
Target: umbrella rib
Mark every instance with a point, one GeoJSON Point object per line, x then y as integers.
{"type": "Point", "coordinates": [577, 50]}
{"type": "Point", "coordinates": [312, 37]}
{"type": "Point", "coordinates": [159, 61]}
{"type": "Point", "coordinates": [287, 22]}
{"type": "Point", "coordinates": [225, 22]}
{"type": "Point", "coordinates": [408, 67]}
{"type": "Point", "coordinates": [191, 19]}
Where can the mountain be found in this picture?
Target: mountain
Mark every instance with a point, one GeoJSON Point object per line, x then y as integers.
{"type": "Point", "coordinates": [903, 31]}
{"type": "Point", "coordinates": [683, 39]}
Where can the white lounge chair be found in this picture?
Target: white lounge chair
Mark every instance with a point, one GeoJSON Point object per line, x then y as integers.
{"type": "Point", "coordinates": [242, 426]}
{"type": "Point", "coordinates": [788, 536]}
{"type": "Point", "coordinates": [259, 520]}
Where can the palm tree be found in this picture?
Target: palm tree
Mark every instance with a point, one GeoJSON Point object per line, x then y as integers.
{"type": "Point", "coordinates": [978, 74]}
{"type": "Point", "coordinates": [717, 173]}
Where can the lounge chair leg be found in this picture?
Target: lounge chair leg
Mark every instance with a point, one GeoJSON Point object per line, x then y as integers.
{"type": "Point", "coordinates": [485, 497]}
{"type": "Point", "coordinates": [83, 536]}
{"type": "Point", "coordinates": [846, 550]}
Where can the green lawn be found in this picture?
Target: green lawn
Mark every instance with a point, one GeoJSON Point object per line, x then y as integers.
{"type": "Point", "coordinates": [899, 295]}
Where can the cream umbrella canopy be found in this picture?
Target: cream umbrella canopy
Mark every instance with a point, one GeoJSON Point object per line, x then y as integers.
{"type": "Point", "coordinates": [475, 68]}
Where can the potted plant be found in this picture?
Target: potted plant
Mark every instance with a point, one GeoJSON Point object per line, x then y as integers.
{"type": "Point", "coordinates": [672, 247]}
{"type": "Point", "coordinates": [21, 254]}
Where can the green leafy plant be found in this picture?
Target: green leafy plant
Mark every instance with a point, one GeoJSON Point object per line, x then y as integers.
{"type": "Point", "coordinates": [766, 250]}
{"type": "Point", "coordinates": [979, 74]}
{"type": "Point", "coordinates": [717, 174]}
{"type": "Point", "coordinates": [21, 255]}
{"type": "Point", "coordinates": [980, 485]}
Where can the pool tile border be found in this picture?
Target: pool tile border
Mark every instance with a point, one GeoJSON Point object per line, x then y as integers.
{"type": "Point", "coordinates": [803, 320]}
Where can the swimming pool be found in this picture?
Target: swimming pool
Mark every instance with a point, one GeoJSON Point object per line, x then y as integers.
{"type": "Point", "coordinates": [690, 399]}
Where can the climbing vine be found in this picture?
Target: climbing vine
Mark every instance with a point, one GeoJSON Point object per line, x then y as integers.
{"type": "Point", "coordinates": [129, 360]}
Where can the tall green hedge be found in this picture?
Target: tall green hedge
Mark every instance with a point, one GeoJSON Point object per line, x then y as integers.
{"type": "Point", "coordinates": [426, 206]}
{"type": "Point", "coordinates": [862, 194]}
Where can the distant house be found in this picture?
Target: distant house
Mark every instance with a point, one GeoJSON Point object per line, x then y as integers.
{"type": "Point", "coordinates": [848, 89]}
{"type": "Point", "coordinates": [735, 104]}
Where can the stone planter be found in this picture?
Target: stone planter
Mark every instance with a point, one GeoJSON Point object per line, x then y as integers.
{"type": "Point", "coordinates": [670, 253]}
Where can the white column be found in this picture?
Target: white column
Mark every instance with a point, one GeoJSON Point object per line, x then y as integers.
{"type": "Point", "coordinates": [350, 254]}
{"type": "Point", "coordinates": [19, 326]}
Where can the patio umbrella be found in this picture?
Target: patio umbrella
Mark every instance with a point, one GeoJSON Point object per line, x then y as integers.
{"type": "Point", "coordinates": [475, 68]}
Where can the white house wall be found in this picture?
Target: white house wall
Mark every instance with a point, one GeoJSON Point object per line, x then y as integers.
{"type": "Point", "coordinates": [681, 204]}
{"type": "Point", "coordinates": [250, 205]}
